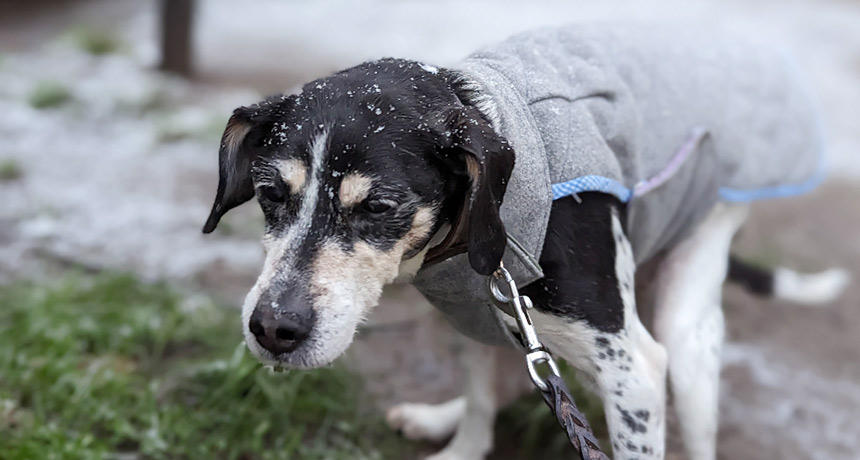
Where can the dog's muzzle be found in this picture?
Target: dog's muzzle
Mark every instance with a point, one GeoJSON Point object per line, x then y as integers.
{"type": "Point", "coordinates": [281, 320]}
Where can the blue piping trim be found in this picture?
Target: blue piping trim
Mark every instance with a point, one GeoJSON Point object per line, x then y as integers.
{"type": "Point", "coordinates": [780, 191]}
{"type": "Point", "coordinates": [742, 196]}
{"type": "Point", "coordinates": [591, 183]}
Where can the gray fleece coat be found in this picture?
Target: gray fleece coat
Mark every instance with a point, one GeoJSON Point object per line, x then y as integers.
{"type": "Point", "coordinates": [668, 121]}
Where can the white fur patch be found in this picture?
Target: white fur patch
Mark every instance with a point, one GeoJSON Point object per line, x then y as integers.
{"type": "Point", "coordinates": [431, 422]}
{"type": "Point", "coordinates": [810, 288]}
{"type": "Point", "coordinates": [279, 252]}
{"type": "Point", "coordinates": [633, 386]}
{"type": "Point", "coordinates": [689, 322]}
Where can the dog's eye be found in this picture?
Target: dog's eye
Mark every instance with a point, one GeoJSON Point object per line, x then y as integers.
{"type": "Point", "coordinates": [376, 206]}
{"type": "Point", "coordinates": [273, 193]}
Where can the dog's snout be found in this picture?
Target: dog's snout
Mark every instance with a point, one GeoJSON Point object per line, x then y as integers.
{"type": "Point", "coordinates": [281, 326]}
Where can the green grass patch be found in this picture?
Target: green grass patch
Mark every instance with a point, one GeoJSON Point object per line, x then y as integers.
{"type": "Point", "coordinates": [10, 170]}
{"type": "Point", "coordinates": [49, 94]}
{"type": "Point", "coordinates": [97, 42]}
{"type": "Point", "coordinates": [173, 129]}
{"type": "Point", "coordinates": [108, 367]}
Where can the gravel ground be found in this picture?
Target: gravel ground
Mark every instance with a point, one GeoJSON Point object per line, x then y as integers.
{"type": "Point", "coordinates": [121, 176]}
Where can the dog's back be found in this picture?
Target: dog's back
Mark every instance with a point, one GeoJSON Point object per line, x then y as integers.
{"type": "Point", "coordinates": [618, 104]}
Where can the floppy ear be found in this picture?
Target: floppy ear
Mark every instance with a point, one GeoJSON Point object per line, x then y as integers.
{"type": "Point", "coordinates": [238, 151]}
{"type": "Point", "coordinates": [489, 161]}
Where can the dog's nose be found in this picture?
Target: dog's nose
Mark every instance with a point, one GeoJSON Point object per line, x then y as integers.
{"type": "Point", "coordinates": [280, 327]}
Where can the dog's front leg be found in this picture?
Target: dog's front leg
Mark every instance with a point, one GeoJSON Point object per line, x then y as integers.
{"type": "Point", "coordinates": [474, 436]}
{"type": "Point", "coordinates": [629, 370]}
{"type": "Point", "coordinates": [494, 376]}
{"type": "Point", "coordinates": [585, 312]}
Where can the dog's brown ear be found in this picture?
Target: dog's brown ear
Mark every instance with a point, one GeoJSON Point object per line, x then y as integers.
{"type": "Point", "coordinates": [488, 160]}
{"type": "Point", "coordinates": [237, 152]}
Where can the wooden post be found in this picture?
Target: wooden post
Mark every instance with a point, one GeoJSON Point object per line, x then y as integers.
{"type": "Point", "coordinates": [176, 22]}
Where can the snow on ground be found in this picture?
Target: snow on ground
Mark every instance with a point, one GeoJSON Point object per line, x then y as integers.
{"type": "Point", "coordinates": [814, 421]}
{"type": "Point", "coordinates": [113, 177]}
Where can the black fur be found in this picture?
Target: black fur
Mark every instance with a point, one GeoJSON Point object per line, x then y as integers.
{"type": "Point", "coordinates": [493, 158]}
{"type": "Point", "coordinates": [578, 259]}
{"type": "Point", "coordinates": [391, 120]}
{"type": "Point", "coordinates": [234, 184]}
{"type": "Point", "coordinates": [383, 120]}
{"type": "Point", "coordinates": [757, 280]}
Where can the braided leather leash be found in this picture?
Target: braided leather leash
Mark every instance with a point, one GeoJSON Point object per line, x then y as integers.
{"type": "Point", "coordinates": [553, 389]}
{"type": "Point", "coordinates": [571, 419]}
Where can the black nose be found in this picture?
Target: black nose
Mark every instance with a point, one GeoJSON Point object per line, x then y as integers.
{"type": "Point", "coordinates": [281, 326]}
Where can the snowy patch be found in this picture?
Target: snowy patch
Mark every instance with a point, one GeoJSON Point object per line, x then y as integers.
{"type": "Point", "coordinates": [429, 68]}
{"type": "Point", "coordinates": [818, 410]}
{"type": "Point", "coordinates": [121, 176]}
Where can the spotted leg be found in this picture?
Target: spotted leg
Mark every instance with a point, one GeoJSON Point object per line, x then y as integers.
{"type": "Point", "coordinates": [689, 322]}
{"type": "Point", "coordinates": [586, 313]}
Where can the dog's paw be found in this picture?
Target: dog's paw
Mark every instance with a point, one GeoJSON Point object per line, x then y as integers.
{"type": "Point", "coordinates": [452, 455]}
{"type": "Point", "coordinates": [426, 421]}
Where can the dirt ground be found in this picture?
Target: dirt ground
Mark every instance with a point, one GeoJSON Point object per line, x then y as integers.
{"type": "Point", "coordinates": [792, 375]}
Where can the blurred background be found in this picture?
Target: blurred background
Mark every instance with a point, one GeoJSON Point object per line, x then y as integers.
{"type": "Point", "coordinates": [119, 326]}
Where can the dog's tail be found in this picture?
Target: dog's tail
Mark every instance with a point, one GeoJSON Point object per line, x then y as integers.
{"type": "Point", "coordinates": [783, 283]}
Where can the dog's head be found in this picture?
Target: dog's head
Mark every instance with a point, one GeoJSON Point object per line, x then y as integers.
{"type": "Point", "coordinates": [354, 176]}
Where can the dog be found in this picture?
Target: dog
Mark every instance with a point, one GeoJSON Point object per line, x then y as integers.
{"type": "Point", "coordinates": [601, 182]}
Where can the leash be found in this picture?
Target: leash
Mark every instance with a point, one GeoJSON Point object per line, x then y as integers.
{"type": "Point", "coordinates": [552, 388]}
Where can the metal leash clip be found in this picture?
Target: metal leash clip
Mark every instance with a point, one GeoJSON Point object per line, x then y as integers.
{"type": "Point", "coordinates": [553, 389]}
{"type": "Point", "coordinates": [535, 352]}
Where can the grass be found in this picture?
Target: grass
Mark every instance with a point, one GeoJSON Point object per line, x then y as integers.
{"type": "Point", "coordinates": [96, 41]}
{"type": "Point", "coordinates": [171, 129]}
{"type": "Point", "coordinates": [49, 94]}
{"type": "Point", "coordinates": [109, 367]}
{"type": "Point", "coordinates": [10, 170]}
